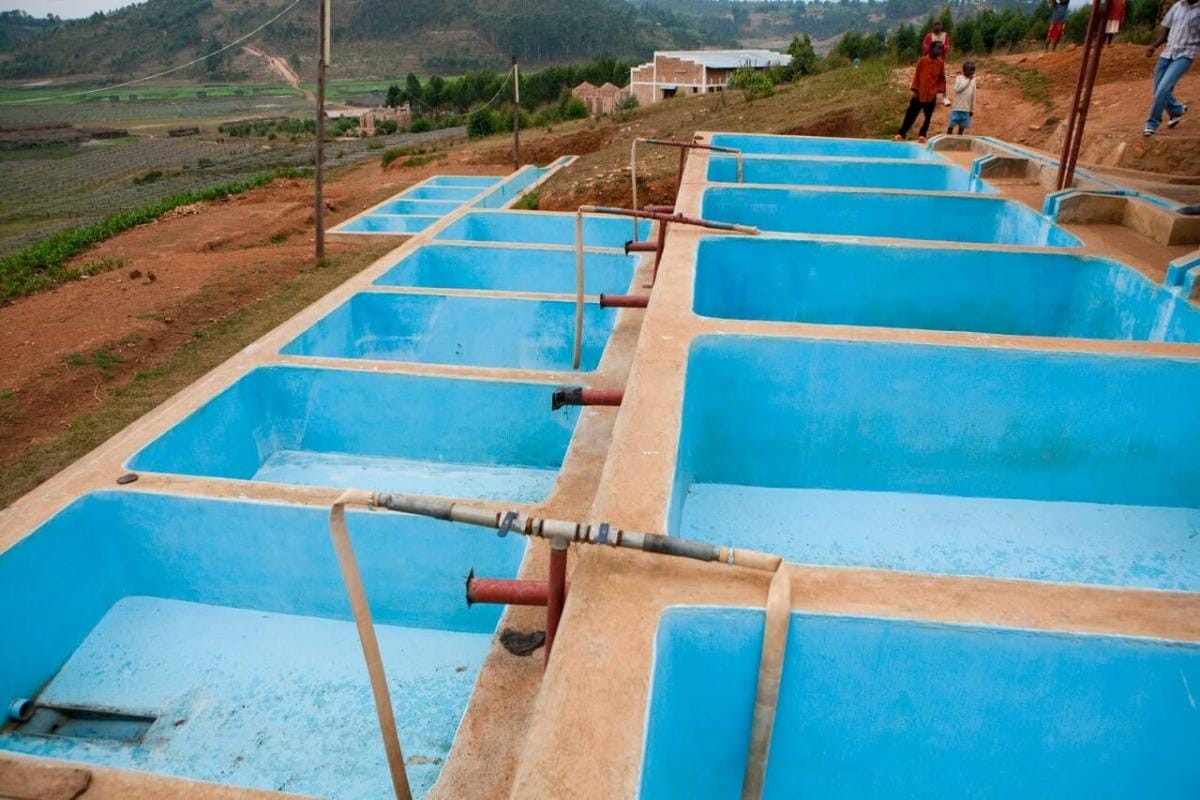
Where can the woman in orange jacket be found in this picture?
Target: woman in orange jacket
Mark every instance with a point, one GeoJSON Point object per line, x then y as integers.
{"type": "Point", "coordinates": [928, 82]}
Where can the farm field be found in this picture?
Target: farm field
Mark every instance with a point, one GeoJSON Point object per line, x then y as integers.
{"type": "Point", "coordinates": [47, 190]}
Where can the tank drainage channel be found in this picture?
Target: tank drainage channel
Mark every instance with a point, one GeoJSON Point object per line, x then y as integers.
{"type": "Point", "coordinates": [69, 722]}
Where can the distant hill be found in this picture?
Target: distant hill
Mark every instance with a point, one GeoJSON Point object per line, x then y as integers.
{"type": "Point", "coordinates": [372, 38]}
{"type": "Point", "coordinates": [388, 38]}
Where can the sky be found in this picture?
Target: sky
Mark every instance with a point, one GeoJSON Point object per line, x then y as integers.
{"type": "Point", "coordinates": [67, 9]}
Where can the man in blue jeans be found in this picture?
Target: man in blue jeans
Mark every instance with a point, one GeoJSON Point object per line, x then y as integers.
{"type": "Point", "coordinates": [1181, 33]}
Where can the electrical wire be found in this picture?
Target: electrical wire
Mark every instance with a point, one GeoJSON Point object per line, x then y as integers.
{"type": "Point", "coordinates": [191, 63]}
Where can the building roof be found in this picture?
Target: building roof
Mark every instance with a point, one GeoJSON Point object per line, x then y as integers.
{"type": "Point", "coordinates": [587, 87]}
{"type": "Point", "coordinates": [609, 88]}
{"type": "Point", "coordinates": [728, 59]}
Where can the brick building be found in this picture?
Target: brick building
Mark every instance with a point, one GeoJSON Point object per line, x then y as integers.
{"type": "Point", "coordinates": [686, 72]}
{"type": "Point", "coordinates": [600, 99]}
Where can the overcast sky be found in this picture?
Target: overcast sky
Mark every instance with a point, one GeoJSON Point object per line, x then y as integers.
{"type": "Point", "coordinates": [63, 8]}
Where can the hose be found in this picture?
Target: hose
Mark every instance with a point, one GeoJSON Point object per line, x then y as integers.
{"type": "Point", "coordinates": [770, 672]}
{"type": "Point", "coordinates": [366, 636]}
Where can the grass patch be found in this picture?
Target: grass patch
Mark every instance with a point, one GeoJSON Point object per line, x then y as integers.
{"type": "Point", "coordinates": [1033, 84]}
{"type": "Point", "coordinates": [527, 202]}
{"type": "Point", "coordinates": [43, 264]}
{"type": "Point", "coordinates": [209, 346]}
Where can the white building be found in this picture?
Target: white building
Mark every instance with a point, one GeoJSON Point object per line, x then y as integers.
{"type": "Point", "coordinates": [685, 72]}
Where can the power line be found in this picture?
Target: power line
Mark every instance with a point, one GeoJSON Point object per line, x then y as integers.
{"type": "Point", "coordinates": [191, 63]}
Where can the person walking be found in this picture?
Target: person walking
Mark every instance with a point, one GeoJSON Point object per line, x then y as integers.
{"type": "Point", "coordinates": [1058, 22]}
{"type": "Point", "coordinates": [938, 34]}
{"type": "Point", "coordinates": [928, 82]}
{"type": "Point", "coordinates": [1180, 32]}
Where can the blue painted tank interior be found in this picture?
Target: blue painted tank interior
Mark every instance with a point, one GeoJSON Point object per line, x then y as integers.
{"type": "Point", "coordinates": [950, 459]}
{"type": "Point", "coordinates": [389, 223]}
{"type": "Point", "coordinates": [446, 329]}
{"type": "Point", "coordinates": [940, 217]}
{"type": "Point", "coordinates": [227, 622]}
{"type": "Point", "coordinates": [323, 427]}
{"type": "Point", "coordinates": [459, 266]}
{"type": "Point", "coordinates": [766, 144]}
{"type": "Point", "coordinates": [433, 208]}
{"type": "Point", "coordinates": [540, 228]}
{"type": "Point", "coordinates": [895, 708]}
{"type": "Point", "coordinates": [987, 291]}
{"type": "Point", "coordinates": [926, 176]}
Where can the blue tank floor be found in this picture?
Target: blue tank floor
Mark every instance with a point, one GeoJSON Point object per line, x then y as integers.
{"type": "Point", "coordinates": [480, 481]}
{"type": "Point", "coordinates": [262, 700]}
{"type": "Point", "coordinates": [1135, 546]}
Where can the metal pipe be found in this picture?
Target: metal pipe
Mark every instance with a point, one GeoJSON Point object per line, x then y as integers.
{"type": "Point", "coordinates": [1073, 135]}
{"type": "Point", "coordinates": [505, 591]}
{"type": "Point", "coordinates": [1092, 66]}
{"type": "Point", "coordinates": [660, 246]}
{"type": "Point", "coordinates": [624, 300]}
{"type": "Point", "coordinates": [556, 589]}
{"type": "Point", "coordinates": [577, 349]}
{"type": "Point", "coordinates": [684, 147]}
{"type": "Point", "coordinates": [584, 396]}
{"type": "Point", "coordinates": [640, 247]}
{"type": "Point", "coordinates": [578, 532]}
{"type": "Point", "coordinates": [659, 209]}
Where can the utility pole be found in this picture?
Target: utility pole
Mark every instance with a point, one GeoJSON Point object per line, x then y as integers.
{"type": "Point", "coordinates": [516, 76]}
{"type": "Point", "coordinates": [318, 179]}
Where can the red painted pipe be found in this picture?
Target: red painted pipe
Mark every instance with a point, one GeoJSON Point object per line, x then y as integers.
{"type": "Point", "coordinates": [624, 300]}
{"type": "Point", "coordinates": [584, 396]}
{"type": "Point", "coordinates": [557, 588]}
{"type": "Point", "coordinates": [640, 247]}
{"type": "Point", "coordinates": [507, 592]}
{"type": "Point", "coordinates": [658, 252]}
{"type": "Point", "coordinates": [659, 209]}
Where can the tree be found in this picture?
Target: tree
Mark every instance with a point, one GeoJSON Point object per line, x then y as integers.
{"type": "Point", "coordinates": [480, 125]}
{"type": "Point", "coordinates": [906, 44]}
{"type": "Point", "coordinates": [395, 97]}
{"type": "Point", "coordinates": [754, 83]}
{"type": "Point", "coordinates": [412, 88]}
{"type": "Point", "coordinates": [435, 92]}
{"type": "Point", "coordinates": [804, 57]}
{"type": "Point", "coordinates": [215, 59]}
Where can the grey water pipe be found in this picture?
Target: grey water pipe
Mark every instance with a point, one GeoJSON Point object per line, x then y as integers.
{"type": "Point", "coordinates": [662, 219]}
{"type": "Point", "coordinates": [575, 532]}
{"type": "Point", "coordinates": [683, 147]}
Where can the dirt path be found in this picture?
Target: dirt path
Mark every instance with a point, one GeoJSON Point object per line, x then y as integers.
{"type": "Point", "coordinates": [1116, 117]}
{"type": "Point", "coordinates": [281, 68]}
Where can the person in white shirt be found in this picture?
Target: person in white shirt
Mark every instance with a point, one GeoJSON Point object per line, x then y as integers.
{"type": "Point", "coordinates": [1180, 32]}
{"type": "Point", "coordinates": [963, 107]}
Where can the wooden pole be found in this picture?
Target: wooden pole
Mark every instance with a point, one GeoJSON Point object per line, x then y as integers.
{"type": "Point", "coordinates": [516, 76]}
{"type": "Point", "coordinates": [318, 178]}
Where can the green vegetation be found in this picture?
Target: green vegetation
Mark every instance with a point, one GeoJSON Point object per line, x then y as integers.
{"type": "Point", "coordinates": [753, 83]}
{"type": "Point", "coordinates": [528, 201]}
{"type": "Point", "coordinates": [43, 264]}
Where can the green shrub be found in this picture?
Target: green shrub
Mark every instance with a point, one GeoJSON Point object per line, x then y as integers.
{"type": "Point", "coordinates": [752, 82]}
{"type": "Point", "coordinates": [420, 125]}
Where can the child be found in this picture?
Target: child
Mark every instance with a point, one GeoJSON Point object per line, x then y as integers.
{"type": "Point", "coordinates": [1058, 22]}
{"type": "Point", "coordinates": [936, 35]}
{"type": "Point", "coordinates": [964, 99]}
{"type": "Point", "coordinates": [1112, 24]}
{"type": "Point", "coordinates": [928, 82]}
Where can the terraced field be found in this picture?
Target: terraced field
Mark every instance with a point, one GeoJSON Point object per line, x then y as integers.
{"type": "Point", "coordinates": [45, 191]}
